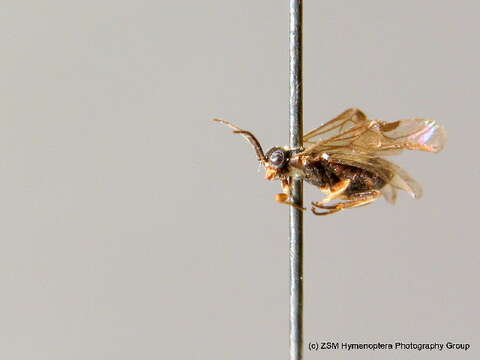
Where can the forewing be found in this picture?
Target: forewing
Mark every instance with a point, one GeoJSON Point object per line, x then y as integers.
{"type": "Point", "coordinates": [414, 134]}
{"type": "Point", "coordinates": [342, 123]}
{"type": "Point", "coordinates": [352, 132]}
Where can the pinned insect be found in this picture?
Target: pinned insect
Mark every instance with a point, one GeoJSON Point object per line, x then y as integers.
{"type": "Point", "coordinates": [343, 159]}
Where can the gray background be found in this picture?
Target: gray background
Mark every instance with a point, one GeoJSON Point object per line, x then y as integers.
{"type": "Point", "coordinates": [132, 227]}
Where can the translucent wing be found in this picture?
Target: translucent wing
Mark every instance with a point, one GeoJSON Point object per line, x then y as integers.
{"type": "Point", "coordinates": [345, 121]}
{"type": "Point", "coordinates": [392, 174]}
{"type": "Point", "coordinates": [353, 132]}
{"type": "Point", "coordinates": [389, 193]}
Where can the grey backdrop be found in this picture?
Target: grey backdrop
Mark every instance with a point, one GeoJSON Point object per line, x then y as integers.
{"type": "Point", "coordinates": [132, 227]}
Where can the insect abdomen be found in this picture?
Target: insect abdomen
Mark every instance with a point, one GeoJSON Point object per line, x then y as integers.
{"type": "Point", "coordinates": [363, 181]}
{"type": "Point", "coordinates": [326, 173]}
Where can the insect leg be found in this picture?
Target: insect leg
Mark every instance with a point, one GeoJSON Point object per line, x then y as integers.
{"type": "Point", "coordinates": [328, 212]}
{"type": "Point", "coordinates": [334, 192]}
{"type": "Point", "coordinates": [356, 200]}
{"type": "Point", "coordinates": [284, 197]}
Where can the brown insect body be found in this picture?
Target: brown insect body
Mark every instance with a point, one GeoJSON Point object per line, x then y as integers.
{"type": "Point", "coordinates": [343, 158]}
{"type": "Point", "coordinates": [326, 174]}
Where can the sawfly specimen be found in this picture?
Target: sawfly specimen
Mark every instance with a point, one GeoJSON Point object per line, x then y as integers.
{"type": "Point", "coordinates": [343, 159]}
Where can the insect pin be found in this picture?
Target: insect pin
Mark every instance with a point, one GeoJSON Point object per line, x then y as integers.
{"type": "Point", "coordinates": [344, 159]}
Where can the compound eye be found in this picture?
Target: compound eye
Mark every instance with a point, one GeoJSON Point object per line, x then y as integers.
{"type": "Point", "coordinates": [277, 158]}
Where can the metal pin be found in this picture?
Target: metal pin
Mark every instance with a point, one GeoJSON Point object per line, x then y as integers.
{"type": "Point", "coordinates": [296, 216]}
